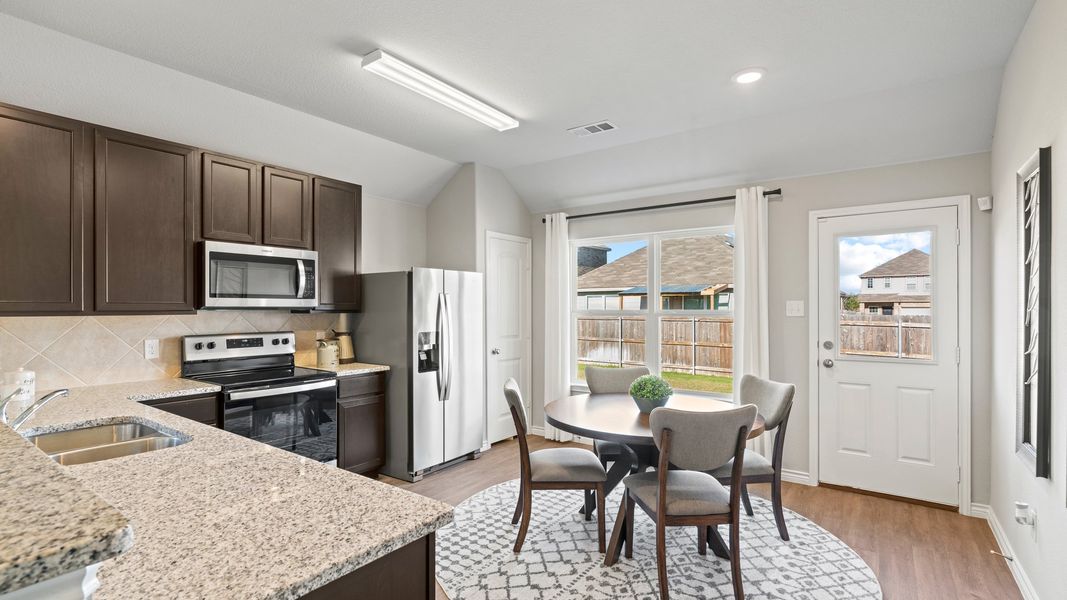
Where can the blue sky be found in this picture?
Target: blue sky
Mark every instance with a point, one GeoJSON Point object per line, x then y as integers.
{"type": "Point", "coordinates": [863, 253]}
{"type": "Point", "coordinates": [621, 249]}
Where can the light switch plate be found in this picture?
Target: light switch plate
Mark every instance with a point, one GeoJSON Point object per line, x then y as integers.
{"type": "Point", "coordinates": [151, 348]}
{"type": "Point", "coordinates": [794, 308]}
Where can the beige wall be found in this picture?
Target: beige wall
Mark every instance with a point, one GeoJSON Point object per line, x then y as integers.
{"type": "Point", "coordinates": [393, 235]}
{"type": "Point", "coordinates": [451, 224]}
{"type": "Point", "coordinates": [79, 351]}
{"type": "Point", "coordinates": [789, 272]}
{"type": "Point", "coordinates": [1032, 114]}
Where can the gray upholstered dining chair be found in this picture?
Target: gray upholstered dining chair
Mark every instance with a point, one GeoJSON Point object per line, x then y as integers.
{"type": "Point", "coordinates": [604, 380]}
{"type": "Point", "coordinates": [774, 400]}
{"type": "Point", "coordinates": [552, 469]}
{"type": "Point", "coordinates": [687, 495]}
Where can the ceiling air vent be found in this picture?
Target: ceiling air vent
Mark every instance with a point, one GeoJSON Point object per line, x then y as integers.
{"type": "Point", "coordinates": [592, 128]}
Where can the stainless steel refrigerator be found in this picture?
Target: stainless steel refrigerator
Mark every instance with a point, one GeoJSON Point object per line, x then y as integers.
{"type": "Point", "coordinates": [428, 326]}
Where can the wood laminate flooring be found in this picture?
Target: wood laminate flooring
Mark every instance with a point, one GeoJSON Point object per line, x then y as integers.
{"type": "Point", "coordinates": [917, 552]}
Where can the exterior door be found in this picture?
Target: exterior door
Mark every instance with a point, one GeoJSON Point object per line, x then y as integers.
{"type": "Point", "coordinates": [888, 352]}
{"type": "Point", "coordinates": [507, 327]}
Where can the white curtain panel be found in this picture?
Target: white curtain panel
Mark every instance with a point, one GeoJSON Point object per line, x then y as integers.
{"type": "Point", "coordinates": [557, 316]}
{"type": "Point", "coordinates": [751, 352]}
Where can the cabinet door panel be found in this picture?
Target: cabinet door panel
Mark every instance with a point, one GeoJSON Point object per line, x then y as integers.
{"type": "Point", "coordinates": [361, 433]}
{"type": "Point", "coordinates": [286, 208]}
{"type": "Point", "coordinates": [337, 230]}
{"type": "Point", "coordinates": [232, 199]}
{"type": "Point", "coordinates": [43, 193]}
{"type": "Point", "coordinates": [145, 222]}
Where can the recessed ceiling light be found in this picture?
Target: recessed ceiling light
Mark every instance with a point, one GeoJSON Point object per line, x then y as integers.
{"type": "Point", "coordinates": [416, 80]}
{"type": "Point", "coordinates": [751, 75]}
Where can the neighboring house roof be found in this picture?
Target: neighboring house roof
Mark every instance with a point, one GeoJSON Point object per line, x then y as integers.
{"type": "Point", "coordinates": [912, 262]}
{"type": "Point", "coordinates": [894, 298]}
{"type": "Point", "coordinates": [706, 261]}
{"type": "Point", "coordinates": [668, 289]}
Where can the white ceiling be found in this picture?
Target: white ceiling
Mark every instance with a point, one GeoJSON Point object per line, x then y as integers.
{"type": "Point", "coordinates": [850, 83]}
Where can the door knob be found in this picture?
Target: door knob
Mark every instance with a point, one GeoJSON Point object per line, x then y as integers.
{"type": "Point", "coordinates": [828, 363]}
{"type": "Point", "coordinates": [495, 351]}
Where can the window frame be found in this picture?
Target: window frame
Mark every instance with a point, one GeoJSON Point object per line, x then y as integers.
{"type": "Point", "coordinates": [653, 311]}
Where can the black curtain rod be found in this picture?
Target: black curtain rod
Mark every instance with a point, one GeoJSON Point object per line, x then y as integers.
{"type": "Point", "coordinates": [777, 192]}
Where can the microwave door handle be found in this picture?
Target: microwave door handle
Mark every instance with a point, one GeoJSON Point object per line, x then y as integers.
{"type": "Point", "coordinates": [442, 353]}
{"type": "Point", "coordinates": [301, 279]}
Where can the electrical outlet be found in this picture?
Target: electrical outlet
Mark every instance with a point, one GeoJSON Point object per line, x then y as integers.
{"type": "Point", "coordinates": [794, 308]}
{"type": "Point", "coordinates": [320, 335]}
{"type": "Point", "coordinates": [151, 348]}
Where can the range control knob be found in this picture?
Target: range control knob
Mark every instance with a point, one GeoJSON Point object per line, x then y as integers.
{"type": "Point", "coordinates": [275, 341]}
{"type": "Point", "coordinates": [198, 346]}
{"type": "Point", "coordinates": [285, 341]}
{"type": "Point", "coordinates": [211, 345]}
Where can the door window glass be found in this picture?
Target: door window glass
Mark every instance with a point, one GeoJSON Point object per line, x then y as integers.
{"type": "Point", "coordinates": [896, 319]}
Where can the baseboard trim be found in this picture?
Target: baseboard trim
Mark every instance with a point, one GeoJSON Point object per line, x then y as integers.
{"type": "Point", "coordinates": [801, 477]}
{"type": "Point", "coordinates": [537, 431]}
{"type": "Point", "coordinates": [980, 511]}
{"type": "Point", "coordinates": [1022, 580]}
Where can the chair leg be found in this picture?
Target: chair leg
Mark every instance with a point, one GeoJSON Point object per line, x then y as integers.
{"type": "Point", "coordinates": [615, 546]}
{"type": "Point", "coordinates": [600, 519]}
{"type": "Point", "coordinates": [702, 540]}
{"type": "Point", "coordinates": [776, 501]}
{"type": "Point", "coordinates": [745, 499]}
{"type": "Point", "coordinates": [735, 558]}
{"type": "Point", "coordinates": [588, 516]}
{"type": "Point", "coordinates": [518, 504]}
{"type": "Point", "coordinates": [629, 526]}
{"type": "Point", "coordinates": [527, 500]}
{"type": "Point", "coordinates": [661, 560]}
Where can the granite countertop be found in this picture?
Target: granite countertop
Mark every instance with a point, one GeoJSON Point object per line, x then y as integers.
{"type": "Point", "coordinates": [351, 369]}
{"type": "Point", "coordinates": [222, 516]}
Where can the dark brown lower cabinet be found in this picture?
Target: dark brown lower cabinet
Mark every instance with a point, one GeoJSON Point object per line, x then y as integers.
{"type": "Point", "coordinates": [204, 409]}
{"type": "Point", "coordinates": [361, 423]}
{"type": "Point", "coordinates": [401, 574]}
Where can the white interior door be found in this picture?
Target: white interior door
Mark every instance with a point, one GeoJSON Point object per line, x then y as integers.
{"type": "Point", "coordinates": [507, 330]}
{"type": "Point", "coordinates": [888, 352]}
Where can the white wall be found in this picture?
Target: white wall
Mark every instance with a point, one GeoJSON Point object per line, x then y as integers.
{"type": "Point", "coordinates": [789, 271]}
{"type": "Point", "coordinates": [1032, 114]}
{"type": "Point", "coordinates": [499, 209]}
{"type": "Point", "coordinates": [393, 235]}
{"type": "Point", "coordinates": [48, 71]}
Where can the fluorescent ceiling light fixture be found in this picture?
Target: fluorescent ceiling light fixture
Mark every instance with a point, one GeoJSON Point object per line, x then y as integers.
{"type": "Point", "coordinates": [750, 75]}
{"type": "Point", "coordinates": [400, 72]}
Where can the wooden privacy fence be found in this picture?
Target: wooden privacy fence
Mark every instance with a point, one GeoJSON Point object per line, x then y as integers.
{"type": "Point", "coordinates": [697, 345]}
{"type": "Point", "coordinates": [897, 336]}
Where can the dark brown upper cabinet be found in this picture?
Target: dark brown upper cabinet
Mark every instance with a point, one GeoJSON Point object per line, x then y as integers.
{"type": "Point", "coordinates": [232, 199]}
{"type": "Point", "coordinates": [338, 207]}
{"type": "Point", "coordinates": [286, 208]}
{"type": "Point", "coordinates": [45, 191]}
{"type": "Point", "coordinates": [146, 199]}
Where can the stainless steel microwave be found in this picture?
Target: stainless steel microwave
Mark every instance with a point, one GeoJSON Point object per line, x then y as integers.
{"type": "Point", "coordinates": [248, 276]}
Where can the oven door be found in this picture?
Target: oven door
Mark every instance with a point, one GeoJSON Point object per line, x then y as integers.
{"type": "Point", "coordinates": [300, 418]}
{"type": "Point", "coordinates": [243, 276]}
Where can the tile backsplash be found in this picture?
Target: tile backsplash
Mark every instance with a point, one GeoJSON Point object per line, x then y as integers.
{"type": "Point", "coordinates": [80, 351]}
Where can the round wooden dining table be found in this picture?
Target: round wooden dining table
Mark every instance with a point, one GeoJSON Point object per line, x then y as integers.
{"type": "Point", "coordinates": [615, 418]}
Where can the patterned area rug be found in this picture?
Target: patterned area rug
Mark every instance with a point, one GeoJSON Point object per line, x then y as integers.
{"type": "Point", "coordinates": [560, 560]}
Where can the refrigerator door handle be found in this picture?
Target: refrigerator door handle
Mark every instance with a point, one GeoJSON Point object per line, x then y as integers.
{"type": "Point", "coordinates": [449, 345]}
{"type": "Point", "coordinates": [442, 351]}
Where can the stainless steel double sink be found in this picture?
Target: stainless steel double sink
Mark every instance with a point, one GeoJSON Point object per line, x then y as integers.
{"type": "Point", "coordinates": [101, 442]}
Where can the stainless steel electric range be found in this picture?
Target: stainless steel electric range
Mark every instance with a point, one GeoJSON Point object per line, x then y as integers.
{"type": "Point", "coordinates": [265, 396]}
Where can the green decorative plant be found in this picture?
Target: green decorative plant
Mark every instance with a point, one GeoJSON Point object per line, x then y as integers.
{"type": "Point", "coordinates": [649, 392]}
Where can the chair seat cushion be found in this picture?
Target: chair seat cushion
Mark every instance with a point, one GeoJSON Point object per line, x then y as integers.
{"type": "Point", "coordinates": [565, 464]}
{"type": "Point", "coordinates": [688, 492]}
{"type": "Point", "coordinates": [755, 464]}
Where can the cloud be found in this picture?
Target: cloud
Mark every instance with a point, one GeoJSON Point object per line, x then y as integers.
{"type": "Point", "coordinates": [863, 253]}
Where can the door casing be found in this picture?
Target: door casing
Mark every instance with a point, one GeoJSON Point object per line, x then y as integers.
{"type": "Point", "coordinates": [963, 204]}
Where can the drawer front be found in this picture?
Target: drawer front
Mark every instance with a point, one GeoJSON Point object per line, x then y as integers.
{"type": "Point", "coordinates": [200, 408]}
{"type": "Point", "coordinates": [373, 383]}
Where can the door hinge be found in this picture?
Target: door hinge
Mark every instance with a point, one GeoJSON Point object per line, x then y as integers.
{"type": "Point", "coordinates": [957, 355]}
{"type": "Point", "coordinates": [957, 236]}
{"type": "Point", "coordinates": [959, 474]}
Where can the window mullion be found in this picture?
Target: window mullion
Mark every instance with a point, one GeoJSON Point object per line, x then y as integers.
{"type": "Point", "coordinates": [652, 324]}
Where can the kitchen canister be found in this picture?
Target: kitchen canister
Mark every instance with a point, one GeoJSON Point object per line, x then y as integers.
{"type": "Point", "coordinates": [22, 383]}
{"type": "Point", "coordinates": [328, 355]}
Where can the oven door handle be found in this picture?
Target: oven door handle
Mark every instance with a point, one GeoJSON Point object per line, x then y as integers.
{"type": "Point", "coordinates": [265, 392]}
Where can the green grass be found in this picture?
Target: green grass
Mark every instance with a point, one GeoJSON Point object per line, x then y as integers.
{"type": "Point", "coordinates": [719, 384]}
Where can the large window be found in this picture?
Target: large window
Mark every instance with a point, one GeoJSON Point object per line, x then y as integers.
{"type": "Point", "coordinates": [662, 300]}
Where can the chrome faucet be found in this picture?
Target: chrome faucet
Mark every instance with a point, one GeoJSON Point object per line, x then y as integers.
{"type": "Point", "coordinates": [29, 412]}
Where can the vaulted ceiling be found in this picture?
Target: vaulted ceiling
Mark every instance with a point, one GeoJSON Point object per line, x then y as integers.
{"type": "Point", "coordinates": [850, 83]}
